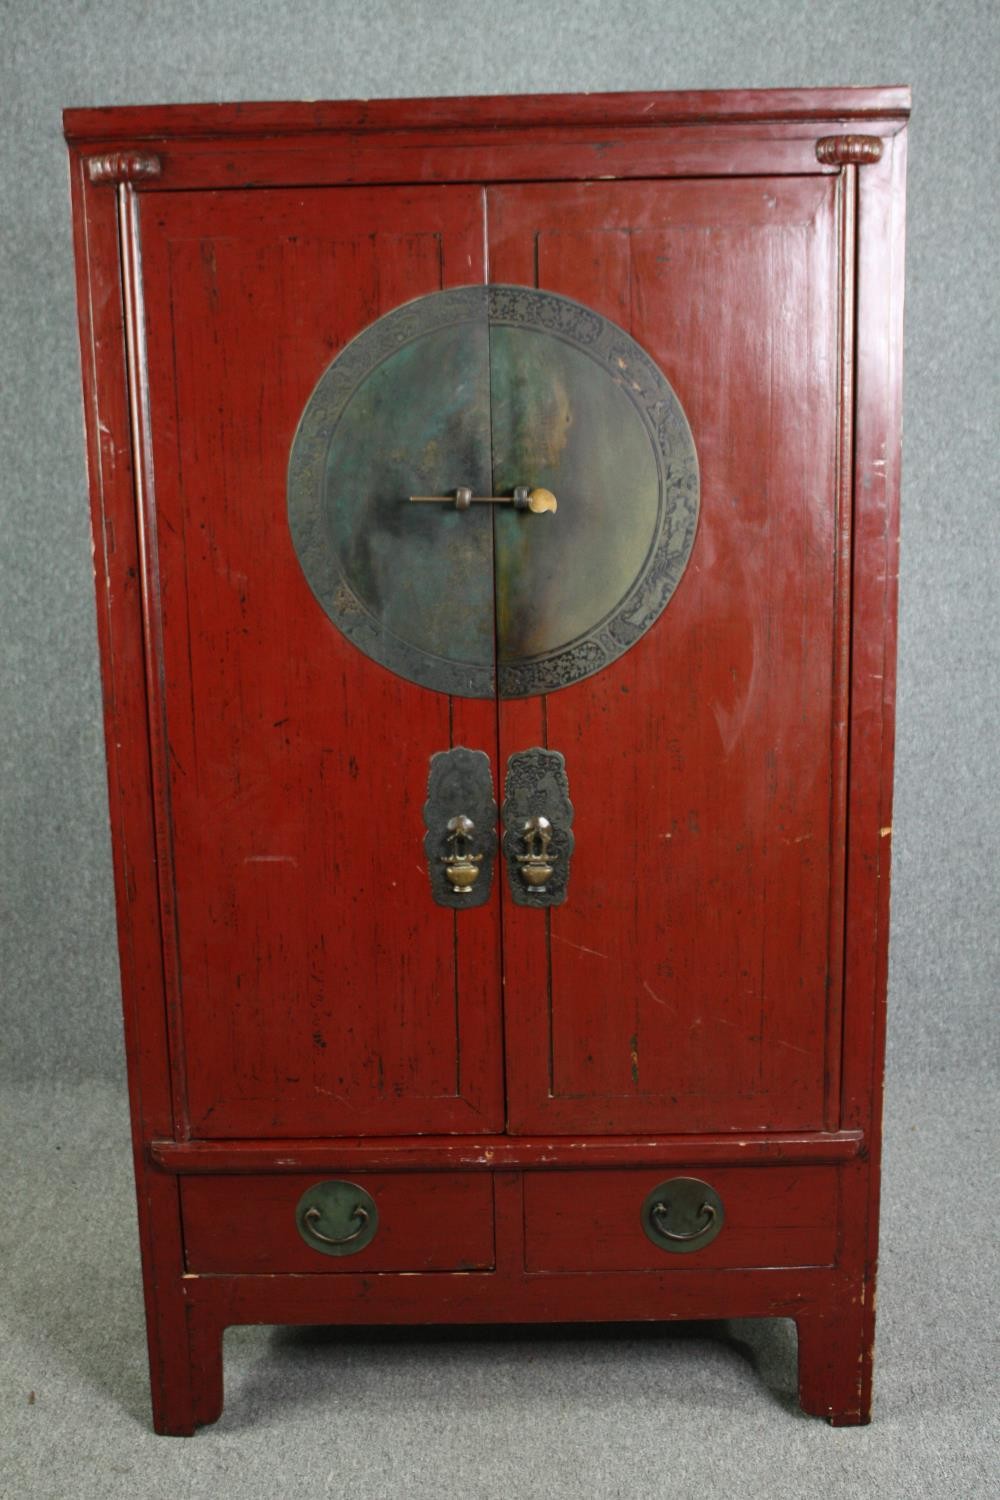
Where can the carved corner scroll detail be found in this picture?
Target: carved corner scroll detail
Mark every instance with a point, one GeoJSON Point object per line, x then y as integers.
{"type": "Point", "coordinates": [124, 166]}
{"type": "Point", "coordinates": [849, 150]}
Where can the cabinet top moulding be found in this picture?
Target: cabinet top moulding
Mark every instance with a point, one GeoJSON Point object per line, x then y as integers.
{"type": "Point", "coordinates": [150, 122]}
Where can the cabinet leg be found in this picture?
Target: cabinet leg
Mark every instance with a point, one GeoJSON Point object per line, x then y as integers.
{"type": "Point", "coordinates": [205, 1336]}
{"type": "Point", "coordinates": [835, 1359]}
{"type": "Point", "coordinates": [185, 1368]}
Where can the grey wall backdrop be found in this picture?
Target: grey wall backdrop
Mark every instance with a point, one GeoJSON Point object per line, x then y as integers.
{"type": "Point", "coordinates": [60, 984]}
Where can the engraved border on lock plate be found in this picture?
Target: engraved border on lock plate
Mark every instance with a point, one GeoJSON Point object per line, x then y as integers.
{"type": "Point", "coordinates": [306, 474]}
{"type": "Point", "coordinates": [625, 362]}
{"type": "Point", "coordinates": [662, 415]}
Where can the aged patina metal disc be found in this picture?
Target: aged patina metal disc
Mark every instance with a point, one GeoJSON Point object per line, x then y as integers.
{"type": "Point", "coordinates": [337, 1217]}
{"type": "Point", "coordinates": [580, 409]}
{"type": "Point", "coordinates": [493, 387]}
{"type": "Point", "coordinates": [404, 409]}
{"type": "Point", "coordinates": [682, 1215]}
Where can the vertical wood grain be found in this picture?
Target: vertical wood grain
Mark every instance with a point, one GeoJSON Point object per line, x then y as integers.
{"type": "Point", "coordinates": [319, 980]}
{"type": "Point", "coordinates": [690, 965]}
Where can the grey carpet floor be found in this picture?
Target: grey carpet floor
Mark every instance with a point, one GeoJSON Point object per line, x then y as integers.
{"type": "Point", "coordinates": [699, 1411]}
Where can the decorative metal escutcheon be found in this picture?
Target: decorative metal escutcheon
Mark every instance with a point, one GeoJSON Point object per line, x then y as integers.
{"type": "Point", "coordinates": [682, 1214]}
{"type": "Point", "coordinates": [494, 400]}
{"type": "Point", "coordinates": [538, 835]}
{"type": "Point", "coordinates": [336, 1217]}
{"type": "Point", "coordinates": [460, 816]}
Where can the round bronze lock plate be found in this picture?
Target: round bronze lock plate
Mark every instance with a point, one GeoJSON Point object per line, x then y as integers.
{"type": "Point", "coordinates": [336, 1217]}
{"type": "Point", "coordinates": [503, 392]}
{"type": "Point", "coordinates": [682, 1214]}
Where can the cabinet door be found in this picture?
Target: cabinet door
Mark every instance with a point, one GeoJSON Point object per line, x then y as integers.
{"type": "Point", "coordinates": [315, 988]}
{"type": "Point", "coordinates": [691, 980]}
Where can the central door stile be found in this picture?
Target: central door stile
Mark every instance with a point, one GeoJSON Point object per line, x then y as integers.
{"type": "Point", "coordinates": [497, 744]}
{"type": "Point", "coordinates": [525, 935]}
{"type": "Point", "coordinates": [472, 722]}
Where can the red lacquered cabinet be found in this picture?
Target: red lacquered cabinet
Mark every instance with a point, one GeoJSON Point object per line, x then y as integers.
{"type": "Point", "coordinates": [495, 516]}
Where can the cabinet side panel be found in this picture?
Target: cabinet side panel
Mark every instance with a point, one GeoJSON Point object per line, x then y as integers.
{"type": "Point", "coordinates": [881, 241]}
{"type": "Point", "coordinates": [120, 636]}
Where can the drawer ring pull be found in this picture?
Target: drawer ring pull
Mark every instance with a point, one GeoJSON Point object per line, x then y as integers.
{"type": "Point", "coordinates": [343, 1206]}
{"type": "Point", "coordinates": [312, 1216]}
{"type": "Point", "coordinates": [682, 1215]}
{"type": "Point", "coordinates": [658, 1210]}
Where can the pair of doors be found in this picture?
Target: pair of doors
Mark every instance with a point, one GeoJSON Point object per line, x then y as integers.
{"type": "Point", "coordinates": [674, 630]}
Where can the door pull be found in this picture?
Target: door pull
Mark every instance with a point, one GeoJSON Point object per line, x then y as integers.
{"type": "Point", "coordinates": [462, 867]}
{"type": "Point", "coordinates": [538, 833]}
{"type": "Point", "coordinates": [538, 501]}
{"type": "Point", "coordinates": [460, 817]}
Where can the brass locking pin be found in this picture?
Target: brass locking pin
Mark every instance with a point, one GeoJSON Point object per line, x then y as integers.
{"type": "Point", "coordinates": [538, 501]}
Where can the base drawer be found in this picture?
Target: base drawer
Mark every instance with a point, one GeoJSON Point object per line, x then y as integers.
{"type": "Point", "coordinates": [412, 1221]}
{"type": "Point", "coordinates": [645, 1220]}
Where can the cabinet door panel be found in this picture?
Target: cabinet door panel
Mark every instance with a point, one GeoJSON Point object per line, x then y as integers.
{"type": "Point", "coordinates": [685, 984]}
{"type": "Point", "coordinates": [315, 987]}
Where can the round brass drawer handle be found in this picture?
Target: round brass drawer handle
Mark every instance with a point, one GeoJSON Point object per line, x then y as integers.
{"type": "Point", "coordinates": [706, 1210]}
{"type": "Point", "coordinates": [682, 1214]}
{"type": "Point", "coordinates": [336, 1217]}
{"type": "Point", "coordinates": [312, 1217]}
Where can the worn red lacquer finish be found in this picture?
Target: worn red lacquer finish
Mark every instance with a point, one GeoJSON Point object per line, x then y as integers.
{"type": "Point", "coordinates": [686, 982]}
{"type": "Point", "coordinates": [508, 1085]}
{"type": "Point", "coordinates": [315, 987]}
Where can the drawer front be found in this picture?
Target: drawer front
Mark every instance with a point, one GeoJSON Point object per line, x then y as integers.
{"type": "Point", "coordinates": [594, 1221]}
{"type": "Point", "coordinates": [422, 1221]}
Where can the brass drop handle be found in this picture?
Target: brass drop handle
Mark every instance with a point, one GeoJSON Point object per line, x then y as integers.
{"type": "Point", "coordinates": [312, 1217]}
{"type": "Point", "coordinates": [658, 1212]}
{"type": "Point", "coordinates": [538, 827]}
{"type": "Point", "coordinates": [536, 862]}
{"type": "Point", "coordinates": [461, 867]}
{"type": "Point", "coordinates": [538, 501]}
